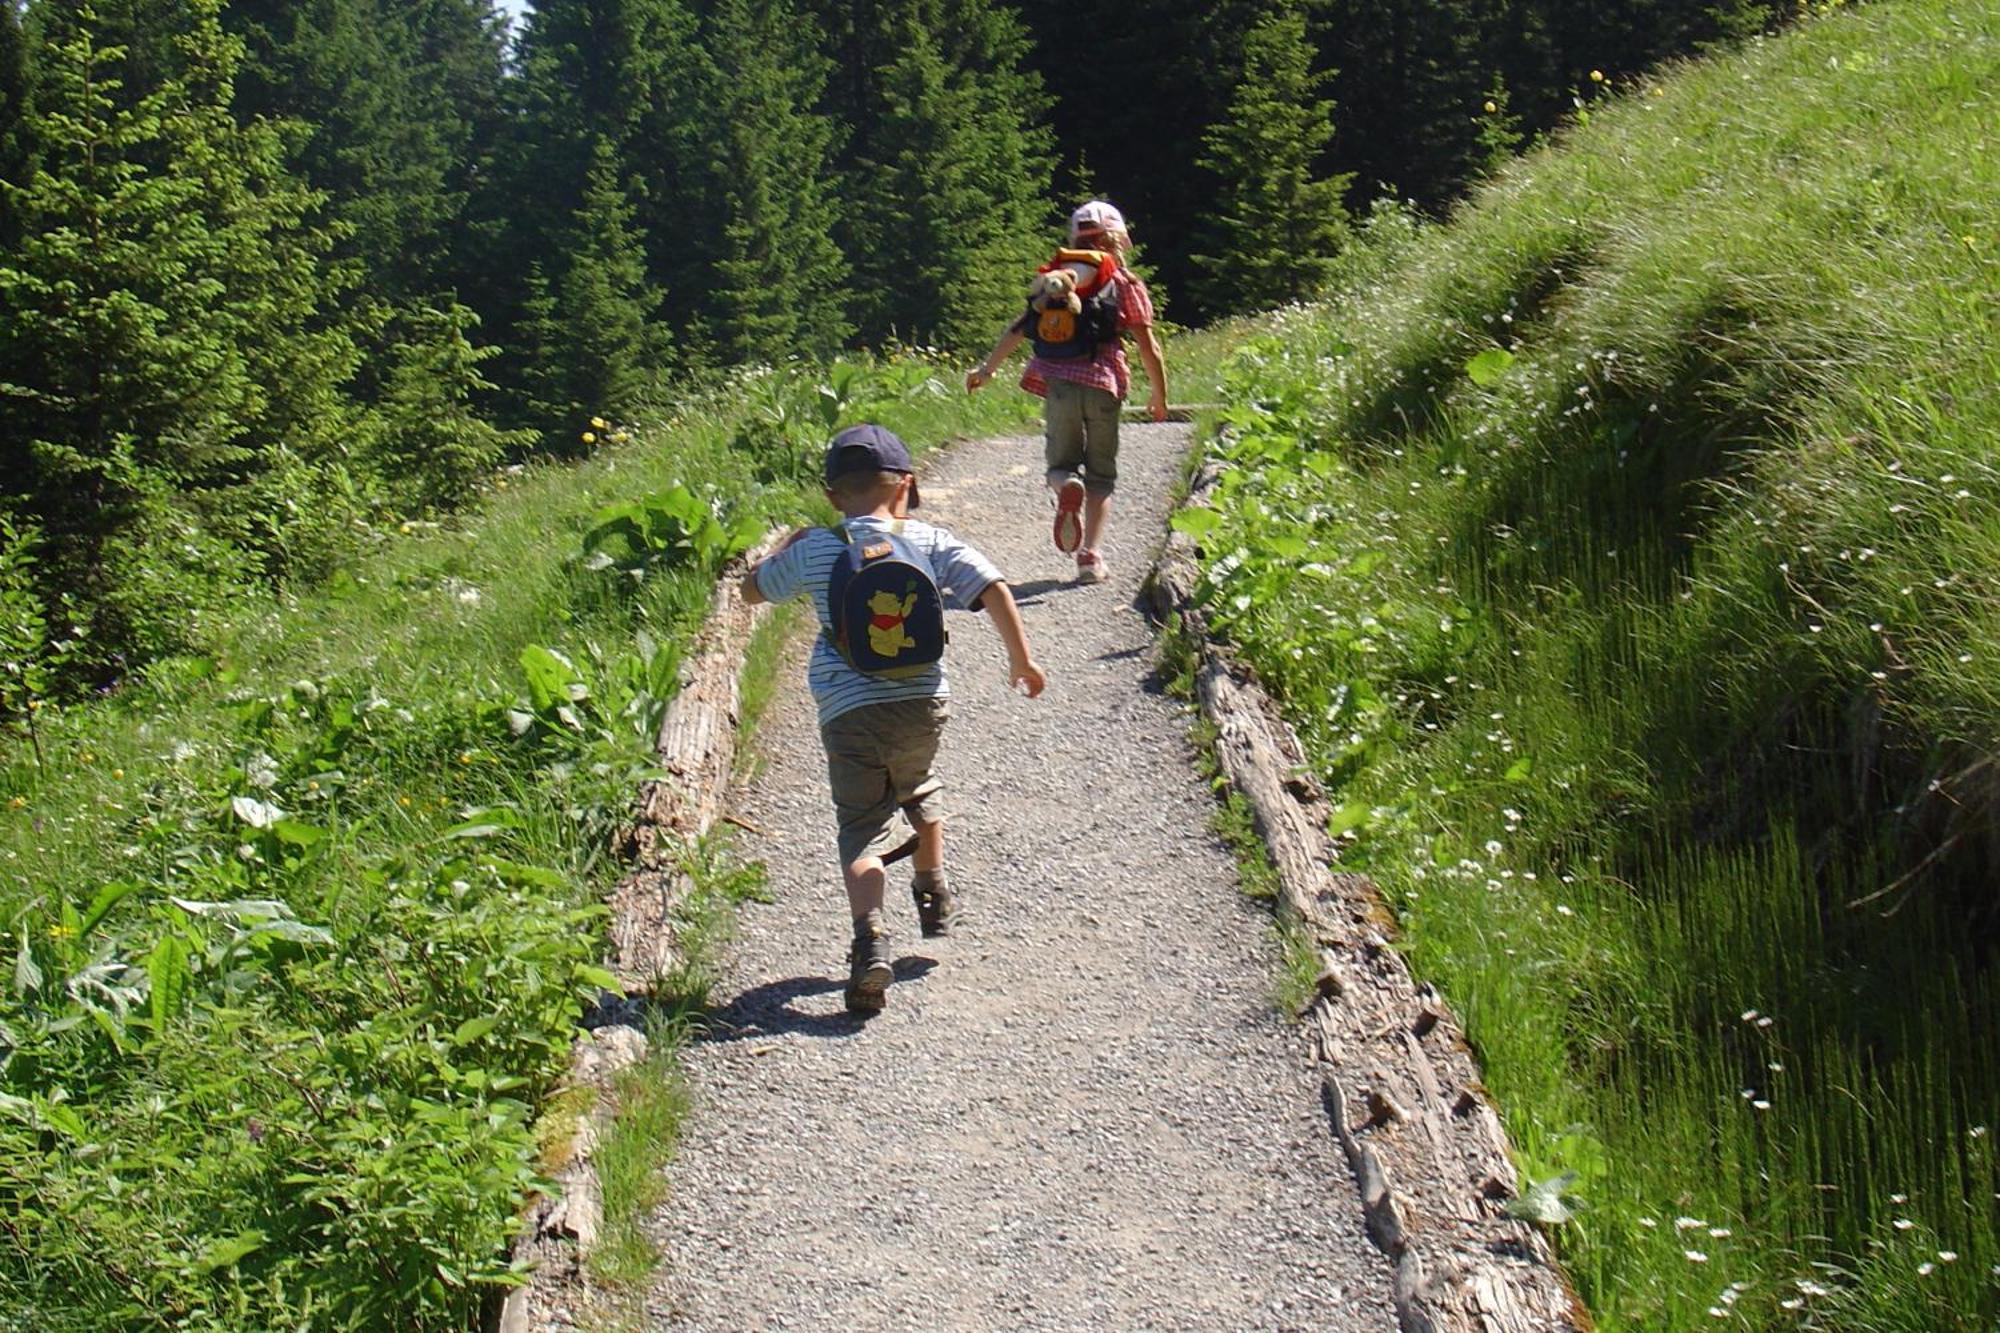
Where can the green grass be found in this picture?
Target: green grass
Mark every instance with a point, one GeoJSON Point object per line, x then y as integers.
{"type": "Point", "coordinates": [297, 931]}
{"type": "Point", "coordinates": [1625, 553]}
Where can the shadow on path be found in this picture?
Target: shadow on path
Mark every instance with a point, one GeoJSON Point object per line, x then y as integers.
{"type": "Point", "coordinates": [767, 1010]}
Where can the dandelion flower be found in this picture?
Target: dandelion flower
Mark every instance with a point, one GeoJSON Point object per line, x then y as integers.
{"type": "Point", "coordinates": [600, 423]}
{"type": "Point", "coordinates": [1492, 107]}
{"type": "Point", "coordinates": [590, 437]}
{"type": "Point", "coordinates": [1597, 76]}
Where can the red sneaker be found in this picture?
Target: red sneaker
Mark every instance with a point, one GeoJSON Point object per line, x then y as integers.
{"type": "Point", "coordinates": [1069, 516]}
{"type": "Point", "coordinates": [1090, 567]}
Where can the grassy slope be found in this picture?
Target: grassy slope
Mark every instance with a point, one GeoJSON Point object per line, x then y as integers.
{"type": "Point", "coordinates": [1657, 661]}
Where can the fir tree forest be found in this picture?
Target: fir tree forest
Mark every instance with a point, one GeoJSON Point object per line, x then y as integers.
{"type": "Point", "coordinates": [277, 271]}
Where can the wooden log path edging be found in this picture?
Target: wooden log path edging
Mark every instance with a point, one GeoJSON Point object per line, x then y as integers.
{"type": "Point", "coordinates": [697, 750]}
{"type": "Point", "coordinates": [1401, 1087]}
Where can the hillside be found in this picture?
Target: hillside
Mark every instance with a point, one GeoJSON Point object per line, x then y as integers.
{"type": "Point", "coordinates": [1626, 550]}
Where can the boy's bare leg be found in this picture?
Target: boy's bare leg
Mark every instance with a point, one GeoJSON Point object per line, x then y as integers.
{"type": "Point", "coordinates": [865, 880]}
{"type": "Point", "coordinates": [929, 856]}
{"type": "Point", "coordinates": [1095, 510]}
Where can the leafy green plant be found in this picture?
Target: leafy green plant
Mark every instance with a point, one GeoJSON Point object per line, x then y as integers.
{"type": "Point", "coordinates": [668, 529]}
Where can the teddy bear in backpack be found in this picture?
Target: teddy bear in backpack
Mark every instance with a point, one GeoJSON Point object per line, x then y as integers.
{"type": "Point", "coordinates": [1055, 289]}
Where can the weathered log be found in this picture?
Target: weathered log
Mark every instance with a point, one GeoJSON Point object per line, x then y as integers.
{"type": "Point", "coordinates": [1460, 1264]}
{"type": "Point", "coordinates": [697, 750]}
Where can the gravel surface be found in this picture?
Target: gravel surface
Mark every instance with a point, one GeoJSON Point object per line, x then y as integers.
{"type": "Point", "coordinates": [1080, 1111]}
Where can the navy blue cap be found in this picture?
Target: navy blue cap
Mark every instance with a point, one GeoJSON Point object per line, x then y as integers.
{"type": "Point", "coordinates": [869, 448]}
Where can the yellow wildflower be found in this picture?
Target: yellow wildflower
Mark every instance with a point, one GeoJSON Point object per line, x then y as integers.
{"type": "Point", "coordinates": [590, 437]}
{"type": "Point", "coordinates": [1492, 107]}
{"type": "Point", "coordinates": [600, 423]}
{"type": "Point", "coordinates": [1597, 76]}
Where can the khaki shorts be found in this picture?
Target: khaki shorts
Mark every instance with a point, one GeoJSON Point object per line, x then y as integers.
{"type": "Point", "coordinates": [880, 758]}
{"type": "Point", "coordinates": [1080, 430]}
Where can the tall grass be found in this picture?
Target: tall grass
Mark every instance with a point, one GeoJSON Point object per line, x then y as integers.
{"type": "Point", "coordinates": [1626, 552]}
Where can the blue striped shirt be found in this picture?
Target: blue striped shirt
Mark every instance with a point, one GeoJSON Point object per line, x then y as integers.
{"type": "Point", "coordinates": [807, 565]}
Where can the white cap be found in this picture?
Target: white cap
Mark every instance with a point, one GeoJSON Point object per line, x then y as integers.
{"type": "Point", "coordinates": [1095, 216]}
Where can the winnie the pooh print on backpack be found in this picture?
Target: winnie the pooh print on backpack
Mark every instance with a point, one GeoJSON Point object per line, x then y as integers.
{"type": "Point", "coordinates": [1073, 304]}
{"type": "Point", "coordinates": [883, 602]}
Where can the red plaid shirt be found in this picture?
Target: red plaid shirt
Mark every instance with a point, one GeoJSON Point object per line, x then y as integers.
{"type": "Point", "coordinates": [1106, 369]}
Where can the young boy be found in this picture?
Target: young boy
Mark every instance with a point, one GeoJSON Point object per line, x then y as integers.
{"type": "Point", "coordinates": [881, 735]}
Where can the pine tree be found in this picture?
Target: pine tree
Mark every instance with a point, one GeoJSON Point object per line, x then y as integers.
{"type": "Point", "coordinates": [775, 280]}
{"type": "Point", "coordinates": [948, 172]}
{"type": "Point", "coordinates": [591, 343]}
{"type": "Point", "coordinates": [594, 102]}
{"type": "Point", "coordinates": [161, 340]}
{"type": "Point", "coordinates": [1273, 226]}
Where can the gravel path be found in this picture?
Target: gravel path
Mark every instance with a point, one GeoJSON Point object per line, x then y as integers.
{"type": "Point", "coordinates": [1080, 1111]}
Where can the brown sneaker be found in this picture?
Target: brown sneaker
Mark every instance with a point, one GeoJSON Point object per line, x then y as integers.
{"type": "Point", "coordinates": [868, 973]}
{"type": "Point", "coordinates": [937, 909]}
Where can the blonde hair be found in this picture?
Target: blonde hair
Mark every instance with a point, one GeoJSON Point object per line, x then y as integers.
{"type": "Point", "coordinates": [1121, 241]}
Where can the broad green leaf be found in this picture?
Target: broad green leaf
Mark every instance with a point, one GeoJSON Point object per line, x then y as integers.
{"type": "Point", "coordinates": [1519, 769]}
{"type": "Point", "coordinates": [1487, 368]}
{"type": "Point", "coordinates": [472, 1029]}
{"type": "Point", "coordinates": [1347, 818]}
{"type": "Point", "coordinates": [298, 833]}
{"type": "Point", "coordinates": [61, 1119]}
{"type": "Point", "coordinates": [225, 1252]}
{"type": "Point", "coordinates": [599, 977]}
{"type": "Point", "coordinates": [550, 676]}
{"type": "Point", "coordinates": [167, 970]}
{"type": "Point", "coordinates": [1196, 522]}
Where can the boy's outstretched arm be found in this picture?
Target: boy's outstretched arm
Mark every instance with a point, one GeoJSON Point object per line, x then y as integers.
{"type": "Point", "coordinates": [752, 594]}
{"type": "Point", "coordinates": [998, 600]}
{"type": "Point", "coordinates": [1003, 349]}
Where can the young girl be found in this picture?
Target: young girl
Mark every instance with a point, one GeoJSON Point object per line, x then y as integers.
{"type": "Point", "coordinates": [1081, 397]}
